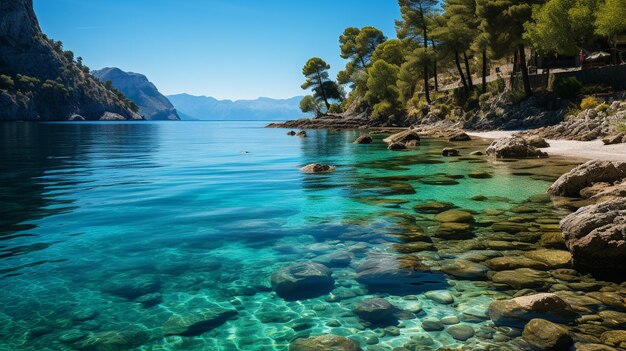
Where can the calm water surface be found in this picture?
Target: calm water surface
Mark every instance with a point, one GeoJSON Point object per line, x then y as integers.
{"type": "Point", "coordinates": [110, 230]}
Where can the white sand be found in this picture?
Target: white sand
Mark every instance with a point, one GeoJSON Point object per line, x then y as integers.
{"type": "Point", "coordinates": [593, 150]}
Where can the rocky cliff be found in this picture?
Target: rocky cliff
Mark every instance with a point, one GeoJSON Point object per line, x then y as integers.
{"type": "Point", "coordinates": [152, 104]}
{"type": "Point", "coordinates": [41, 81]}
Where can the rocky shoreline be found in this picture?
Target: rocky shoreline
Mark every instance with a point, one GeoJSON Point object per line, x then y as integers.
{"type": "Point", "coordinates": [566, 280]}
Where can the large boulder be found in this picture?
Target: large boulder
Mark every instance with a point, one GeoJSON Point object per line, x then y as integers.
{"type": "Point", "coordinates": [517, 312]}
{"type": "Point", "coordinates": [302, 280]}
{"type": "Point", "coordinates": [514, 147]}
{"type": "Point", "coordinates": [325, 343]}
{"type": "Point", "coordinates": [403, 137]}
{"type": "Point", "coordinates": [545, 335]}
{"type": "Point", "coordinates": [397, 274]}
{"type": "Point", "coordinates": [596, 237]}
{"type": "Point", "coordinates": [585, 175]}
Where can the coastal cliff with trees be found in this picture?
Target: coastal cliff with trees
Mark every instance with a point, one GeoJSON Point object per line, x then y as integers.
{"type": "Point", "coordinates": [39, 80]}
{"type": "Point", "coordinates": [477, 63]}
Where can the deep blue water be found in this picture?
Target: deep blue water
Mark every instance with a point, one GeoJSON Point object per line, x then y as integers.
{"type": "Point", "coordinates": [116, 227]}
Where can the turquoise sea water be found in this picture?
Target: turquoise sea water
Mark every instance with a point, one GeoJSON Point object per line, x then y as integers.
{"type": "Point", "coordinates": [108, 230]}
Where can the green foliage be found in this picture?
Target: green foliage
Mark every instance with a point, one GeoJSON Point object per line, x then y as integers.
{"type": "Point", "coordinates": [358, 45]}
{"type": "Point", "coordinates": [611, 19]}
{"type": "Point", "coordinates": [382, 92]}
{"type": "Point", "coordinates": [566, 87]}
{"type": "Point", "coordinates": [69, 55]}
{"type": "Point", "coordinates": [561, 26]}
{"type": "Point", "coordinates": [6, 82]}
{"type": "Point", "coordinates": [335, 109]}
{"type": "Point", "coordinates": [603, 107]}
{"type": "Point", "coordinates": [391, 51]}
{"type": "Point", "coordinates": [316, 73]}
{"type": "Point", "coordinates": [27, 83]}
{"type": "Point", "coordinates": [309, 104]}
{"type": "Point", "coordinates": [590, 102]}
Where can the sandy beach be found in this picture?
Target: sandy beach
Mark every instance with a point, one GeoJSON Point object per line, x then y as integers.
{"type": "Point", "coordinates": [595, 149]}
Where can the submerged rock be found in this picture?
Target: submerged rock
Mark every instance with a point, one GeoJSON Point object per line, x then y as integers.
{"type": "Point", "coordinates": [596, 237]}
{"type": "Point", "coordinates": [454, 231]}
{"type": "Point", "coordinates": [325, 343]}
{"type": "Point", "coordinates": [461, 332]}
{"type": "Point", "coordinates": [433, 207]}
{"type": "Point", "coordinates": [317, 168]}
{"type": "Point", "coordinates": [514, 147]}
{"type": "Point", "coordinates": [479, 175]}
{"type": "Point", "coordinates": [545, 335]}
{"type": "Point", "coordinates": [464, 269]}
{"type": "Point", "coordinates": [197, 323]}
{"type": "Point", "coordinates": [396, 146]}
{"type": "Point", "coordinates": [457, 216]}
{"type": "Point", "coordinates": [521, 278]}
{"type": "Point", "coordinates": [132, 287]}
{"type": "Point", "coordinates": [302, 280]}
{"type": "Point", "coordinates": [114, 340]}
{"type": "Point", "coordinates": [397, 274]}
{"type": "Point", "coordinates": [585, 175]}
{"type": "Point", "coordinates": [291, 133]}
{"type": "Point", "coordinates": [517, 312]}
{"type": "Point", "coordinates": [441, 296]}
{"type": "Point", "coordinates": [376, 311]}
{"type": "Point", "coordinates": [552, 258]}
{"type": "Point", "coordinates": [432, 324]}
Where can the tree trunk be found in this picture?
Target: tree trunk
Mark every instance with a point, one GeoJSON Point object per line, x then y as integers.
{"type": "Point", "coordinates": [458, 67]}
{"type": "Point", "coordinates": [321, 83]}
{"type": "Point", "coordinates": [426, 85]}
{"type": "Point", "coordinates": [514, 63]}
{"type": "Point", "coordinates": [435, 75]}
{"type": "Point", "coordinates": [432, 43]}
{"type": "Point", "coordinates": [522, 60]}
{"type": "Point", "coordinates": [484, 71]}
{"type": "Point", "coordinates": [470, 83]}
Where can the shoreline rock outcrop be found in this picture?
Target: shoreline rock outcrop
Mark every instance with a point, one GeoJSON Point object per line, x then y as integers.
{"type": "Point", "coordinates": [514, 147]}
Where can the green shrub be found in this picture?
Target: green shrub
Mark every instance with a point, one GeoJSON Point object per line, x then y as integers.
{"type": "Point", "coordinates": [589, 102]}
{"type": "Point", "coordinates": [603, 107]}
{"type": "Point", "coordinates": [567, 87]}
{"type": "Point", "coordinates": [335, 108]}
{"type": "Point", "coordinates": [69, 55]}
{"type": "Point", "coordinates": [6, 82]}
{"type": "Point", "coordinates": [27, 83]}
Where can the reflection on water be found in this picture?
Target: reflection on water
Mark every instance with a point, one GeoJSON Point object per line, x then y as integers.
{"type": "Point", "coordinates": [158, 236]}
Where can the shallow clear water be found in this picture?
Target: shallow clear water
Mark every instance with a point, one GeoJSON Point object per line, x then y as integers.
{"type": "Point", "coordinates": [117, 227]}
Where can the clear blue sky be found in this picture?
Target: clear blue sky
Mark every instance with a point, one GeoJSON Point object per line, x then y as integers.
{"type": "Point", "coordinates": [229, 49]}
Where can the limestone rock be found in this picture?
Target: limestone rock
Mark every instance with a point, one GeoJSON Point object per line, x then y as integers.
{"type": "Point", "coordinates": [545, 335]}
{"type": "Point", "coordinates": [516, 312]}
{"type": "Point", "coordinates": [596, 237]}
{"type": "Point", "coordinates": [571, 183]}
{"type": "Point", "coordinates": [403, 137]}
{"type": "Point", "coordinates": [514, 147]}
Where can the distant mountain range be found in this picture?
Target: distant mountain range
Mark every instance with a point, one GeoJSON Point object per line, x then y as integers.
{"type": "Point", "coordinates": [152, 104]}
{"type": "Point", "coordinates": [192, 107]}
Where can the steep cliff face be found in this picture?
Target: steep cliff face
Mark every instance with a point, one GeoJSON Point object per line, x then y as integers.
{"type": "Point", "coordinates": [40, 81]}
{"type": "Point", "coordinates": [152, 104]}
